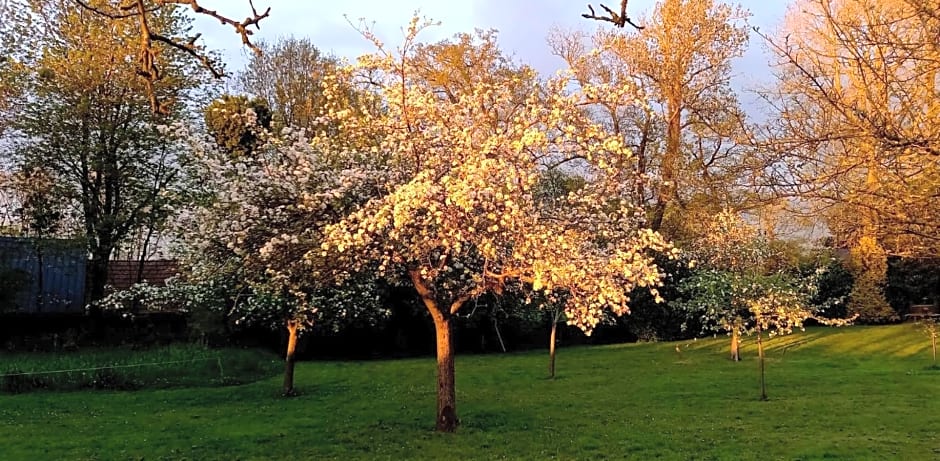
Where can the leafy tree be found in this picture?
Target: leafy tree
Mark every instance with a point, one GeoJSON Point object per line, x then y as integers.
{"type": "Point", "coordinates": [85, 119]}
{"type": "Point", "coordinates": [459, 216]}
{"type": "Point", "coordinates": [739, 290]}
{"type": "Point", "coordinates": [854, 132]}
{"type": "Point", "coordinates": [730, 255]}
{"type": "Point", "coordinates": [688, 156]}
{"type": "Point", "coordinates": [288, 75]}
{"type": "Point", "coordinates": [237, 123]}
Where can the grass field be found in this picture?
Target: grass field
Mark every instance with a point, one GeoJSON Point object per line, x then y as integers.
{"type": "Point", "coordinates": [178, 365]}
{"type": "Point", "coordinates": [854, 393]}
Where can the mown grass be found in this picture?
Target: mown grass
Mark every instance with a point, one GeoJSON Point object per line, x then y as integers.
{"type": "Point", "coordinates": [854, 393]}
{"type": "Point", "coordinates": [178, 365]}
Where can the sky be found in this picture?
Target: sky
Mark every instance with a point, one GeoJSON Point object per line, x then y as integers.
{"type": "Point", "coordinates": [522, 24]}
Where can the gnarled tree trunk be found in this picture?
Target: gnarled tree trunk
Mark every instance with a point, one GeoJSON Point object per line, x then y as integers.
{"type": "Point", "coordinates": [446, 383]}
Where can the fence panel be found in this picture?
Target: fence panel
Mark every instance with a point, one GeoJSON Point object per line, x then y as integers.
{"type": "Point", "coordinates": [42, 276]}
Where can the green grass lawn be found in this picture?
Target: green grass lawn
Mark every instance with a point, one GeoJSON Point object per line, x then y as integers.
{"type": "Point", "coordinates": [178, 365]}
{"type": "Point", "coordinates": [853, 393]}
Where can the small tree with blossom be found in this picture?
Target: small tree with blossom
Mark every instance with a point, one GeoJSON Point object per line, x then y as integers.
{"type": "Point", "coordinates": [726, 252]}
{"type": "Point", "coordinates": [259, 210]}
{"type": "Point", "coordinates": [736, 289]}
{"type": "Point", "coordinates": [460, 216]}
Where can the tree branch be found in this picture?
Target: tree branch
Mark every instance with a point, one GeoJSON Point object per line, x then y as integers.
{"type": "Point", "coordinates": [148, 52]}
{"type": "Point", "coordinates": [618, 19]}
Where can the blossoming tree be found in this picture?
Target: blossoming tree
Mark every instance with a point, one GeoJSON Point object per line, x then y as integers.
{"type": "Point", "coordinates": [737, 290]}
{"type": "Point", "coordinates": [259, 210]}
{"type": "Point", "coordinates": [460, 215]}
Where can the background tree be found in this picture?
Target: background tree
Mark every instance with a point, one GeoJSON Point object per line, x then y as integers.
{"type": "Point", "coordinates": [288, 75]}
{"type": "Point", "coordinates": [854, 131]}
{"type": "Point", "coordinates": [460, 217]}
{"type": "Point", "coordinates": [730, 256]}
{"type": "Point", "coordinates": [740, 289]}
{"type": "Point", "coordinates": [86, 120]}
{"type": "Point", "coordinates": [688, 137]}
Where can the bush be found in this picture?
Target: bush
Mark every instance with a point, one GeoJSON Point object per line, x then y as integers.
{"type": "Point", "coordinates": [12, 281]}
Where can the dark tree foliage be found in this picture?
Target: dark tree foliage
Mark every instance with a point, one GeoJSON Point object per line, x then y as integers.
{"type": "Point", "coordinates": [228, 121]}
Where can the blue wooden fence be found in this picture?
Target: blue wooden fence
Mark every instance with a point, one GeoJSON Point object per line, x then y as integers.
{"type": "Point", "coordinates": [63, 274]}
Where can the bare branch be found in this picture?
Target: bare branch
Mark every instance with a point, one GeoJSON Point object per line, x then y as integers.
{"type": "Point", "coordinates": [148, 68]}
{"type": "Point", "coordinates": [618, 19]}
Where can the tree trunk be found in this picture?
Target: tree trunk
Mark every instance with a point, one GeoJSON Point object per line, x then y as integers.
{"type": "Point", "coordinates": [40, 278]}
{"type": "Point", "coordinates": [933, 343]}
{"type": "Point", "coordinates": [760, 354]}
{"type": "Point", "coordinates": [735, 344]}
{"type": "Point", "coordinates": [499, 336]}
{"type": "Point", "coordinates": [98, 276]}
{"type": "Point", "coordinates": [551, 350]}
{"type": "Point", "coordinates": [292, 326]}
{"type": "Point", "coordinates": [446, 382]}
{"type": "Point", "coordinates": [670, 158]}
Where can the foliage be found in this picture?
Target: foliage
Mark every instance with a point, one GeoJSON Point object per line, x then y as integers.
{"type": "Point", "coordinates": [462, 216]}
{"type": "Point", "coordinates": [738, 288]}
{"type": "Point", "coordinates": [686, 135]}
{"type": "Point", "coordinates": [83, 116]}
{"type": "Point", "coordinates": [912, 281]}
{"type": "Point", "coordinates": [290, 75]}
{"type": "Point", "coordinates": [258, 210]}
{"type": "Point", "coordinates": [834, 283]}
{"type": "Point", "coordinates": [235, 122]}
{"type": "Point", "coordinates": [854, 133]}
{"type": "Point", "coordinates": [154, 39]}
{"type": "Point", "coordinates": [257, 216]}
{"type": "Point", "coordinates": [38, 193]}
{"type": "Point", "coordinates": [869, 267]}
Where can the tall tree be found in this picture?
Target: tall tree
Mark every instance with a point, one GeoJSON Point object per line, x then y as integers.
{"type": "Point", "coordinates": [856, 132]}
{"type": "Point", "coordinates": [461, 215]}
{"type": "Point", "coordinates": [686, 142]}
{"type": "Point", "coordinates": [288, 75]}
{"type": "Point", "coordinates": [87, 119]}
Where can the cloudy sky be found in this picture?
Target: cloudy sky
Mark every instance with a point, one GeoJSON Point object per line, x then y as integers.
{"type": "Point", "coordinates": [523, 25]}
